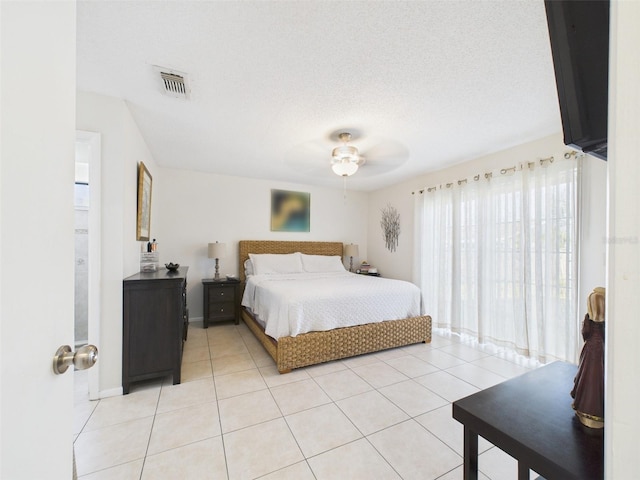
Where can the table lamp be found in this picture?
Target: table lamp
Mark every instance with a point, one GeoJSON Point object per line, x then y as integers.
{"type": "Point", "coordinates": [217, 250]}
{"type": "Point", "coordinates": [351, 251]}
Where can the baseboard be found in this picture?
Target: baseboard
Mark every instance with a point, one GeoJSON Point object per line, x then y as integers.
{"type": "Point", "coordinates": [196, 319]}
{"type": "Point", "coordinates": [112, 392]}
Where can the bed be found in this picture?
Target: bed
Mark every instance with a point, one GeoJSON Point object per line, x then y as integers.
{"type": "Point", "coordinates": [315, 347]}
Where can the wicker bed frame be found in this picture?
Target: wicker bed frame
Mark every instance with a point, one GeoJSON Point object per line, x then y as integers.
{"type": "Point", "coordinates": [318, 347]}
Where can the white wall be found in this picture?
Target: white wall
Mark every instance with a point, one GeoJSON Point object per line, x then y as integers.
{"type": "Point", "coordinates": [122, 149]}
{"type": "Point", "coordinates": [399, 264]}
{"type": "Point", "coordinates": [396, 264]}
{"type": "Point", "coordinates": [192, 209]}
{"type": "Point", "coordinates": [593, 241]}
{"type": "Point", "coordinates": [622, 417]}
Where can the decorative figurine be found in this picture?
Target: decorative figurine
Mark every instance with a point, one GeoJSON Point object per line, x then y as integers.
{"type": "Point", "coordinates": [588, 390]}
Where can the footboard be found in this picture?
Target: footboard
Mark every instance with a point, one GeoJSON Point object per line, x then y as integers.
{"type": "Point", "coordinates": [318, 347]}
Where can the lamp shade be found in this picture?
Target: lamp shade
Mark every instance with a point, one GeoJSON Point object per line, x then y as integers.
{"type": "Point", "coordinates": [351, 250]}
{"type": "Point", "coordinates": [345, 158]}
{"type": "Point", "coordinates": [217, 250]}
{"type": "Point", "coordinates": [344, 168]}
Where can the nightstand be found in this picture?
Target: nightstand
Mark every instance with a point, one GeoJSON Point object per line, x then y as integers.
{"type": "Point", "coordinates": [221, 301]}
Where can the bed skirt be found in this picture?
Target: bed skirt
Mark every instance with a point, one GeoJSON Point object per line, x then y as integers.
{"type": "Point", "coordinates": [318, 347]}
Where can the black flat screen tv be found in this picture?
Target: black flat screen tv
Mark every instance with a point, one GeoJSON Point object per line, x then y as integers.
{"type": "Point", "coordinates": [579, 34]}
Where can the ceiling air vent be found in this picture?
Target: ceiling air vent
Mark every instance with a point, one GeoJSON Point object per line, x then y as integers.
{"type": "Point", "coordinates": [173, 83]}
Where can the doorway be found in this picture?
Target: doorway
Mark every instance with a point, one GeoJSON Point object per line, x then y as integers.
{"type": "Point", "coordinates": [87, 248]}
{"type": "Point", "coordinates": [81, 248]}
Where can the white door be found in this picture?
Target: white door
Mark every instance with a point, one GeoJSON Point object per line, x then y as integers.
{"type": "Point", "coordinates": [37, 136]}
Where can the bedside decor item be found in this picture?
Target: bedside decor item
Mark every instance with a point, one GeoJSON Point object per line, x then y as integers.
{"type": "Point", "coordinates": [172, 267]}
{"type": "Point", "coordinates": [217, 250]}
{"type": "Point", "coordinates": [588, 390]}
{"type": "Point", "coordinates": [290, 211]}
{"type": "Point", "coordinates": [351, 251]}
{"type": "Point", "coordinates": [143, 223]}
{"type": "Point", "coordinates": [366, 269]}
{"type": "Point", "coordinates": [390, 223]}
{"type": "Point", "coordinates": [149, 261]}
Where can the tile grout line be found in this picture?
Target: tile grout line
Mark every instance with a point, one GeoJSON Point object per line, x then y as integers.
{"type": "Point", "coordinates": [213, 379]}
{"type": "Point", "coordinates": [144, 458]}
{"type": "Point", "coordinates": [283, 416]}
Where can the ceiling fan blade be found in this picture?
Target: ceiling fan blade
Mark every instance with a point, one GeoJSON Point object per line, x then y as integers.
{"type": "Point", "coordinates": [388, 153]}
{"type": "Point", "coordinates": [372, 170]}
{"type": "Point", "coordinates": [310, 158]}
{"type": "Point", "coordinates": [313, 158]}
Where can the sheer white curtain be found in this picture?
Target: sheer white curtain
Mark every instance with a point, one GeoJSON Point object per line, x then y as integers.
{"type": "Point", "coordinates": [497, 258]}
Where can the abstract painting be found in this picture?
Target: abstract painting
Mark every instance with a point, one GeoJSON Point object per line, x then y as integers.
{"type": "Point", "coordinates": [290, 211]}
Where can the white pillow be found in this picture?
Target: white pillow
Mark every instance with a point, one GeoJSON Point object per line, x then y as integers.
{"type": "Point", "coordinates": [248, 268]}
{"type": "Point", "coordinates": [322, 263]}
{"type": "Point", "coordinates": [269, 263]}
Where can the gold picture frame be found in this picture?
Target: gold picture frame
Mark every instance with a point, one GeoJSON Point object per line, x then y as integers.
{"type": "Point", "coordinates": [143, 223]}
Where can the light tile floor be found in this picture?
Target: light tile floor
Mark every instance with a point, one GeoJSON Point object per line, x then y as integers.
{"type": "Point", "coordinates": [385, 415]}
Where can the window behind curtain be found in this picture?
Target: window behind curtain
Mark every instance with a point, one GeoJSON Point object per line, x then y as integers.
{"type": "Point", "coordinates": [498, 259]}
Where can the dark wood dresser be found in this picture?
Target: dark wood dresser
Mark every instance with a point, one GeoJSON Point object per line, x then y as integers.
{"type": "Point", "coordinates": [221, 300]}
{"type": "Point", "coordinates": [155, 323]}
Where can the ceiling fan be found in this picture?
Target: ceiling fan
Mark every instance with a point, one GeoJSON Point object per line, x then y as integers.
{"type": "Point", "coordinates": [354, 153]}
{"type": "Point", "coordinates": [345, 159]}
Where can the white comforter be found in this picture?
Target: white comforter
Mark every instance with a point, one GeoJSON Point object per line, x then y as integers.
{"type": "Point", "coordinates": [291, 304]}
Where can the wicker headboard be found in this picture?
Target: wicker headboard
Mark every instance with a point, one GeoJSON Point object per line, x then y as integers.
{"type": "Point", "coordinates": [280, 246]}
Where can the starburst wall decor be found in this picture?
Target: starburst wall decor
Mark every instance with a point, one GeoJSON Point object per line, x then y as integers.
{"type": "Point", "coordinates": [390, 223]}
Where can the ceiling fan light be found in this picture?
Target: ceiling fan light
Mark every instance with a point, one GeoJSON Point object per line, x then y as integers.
{"type": "Point", "coordinates": [344, 168]}
{"type": "Point", "coordinates": [345, 152]}
{"type": "Point", "coordinates": [345, 158]}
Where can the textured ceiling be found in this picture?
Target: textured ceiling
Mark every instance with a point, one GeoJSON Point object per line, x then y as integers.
{"type": "Point", "coordinates": [423, 84]}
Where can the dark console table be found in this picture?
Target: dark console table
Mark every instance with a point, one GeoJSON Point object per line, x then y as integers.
{"type": "Point", "coordinates": [530, 418]}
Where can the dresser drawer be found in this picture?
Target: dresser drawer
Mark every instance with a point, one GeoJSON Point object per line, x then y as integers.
{"type": "Point", "coordinates": [221, 294]}
{"type": "Point", "coordinates": [220, 311]}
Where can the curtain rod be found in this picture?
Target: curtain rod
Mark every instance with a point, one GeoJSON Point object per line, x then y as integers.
{"type": "Point", "coordinates": [503, 171]}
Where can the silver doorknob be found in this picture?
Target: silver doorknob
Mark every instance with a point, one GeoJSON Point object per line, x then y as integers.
{"type": "Point", "coordinates": [83, 358]}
